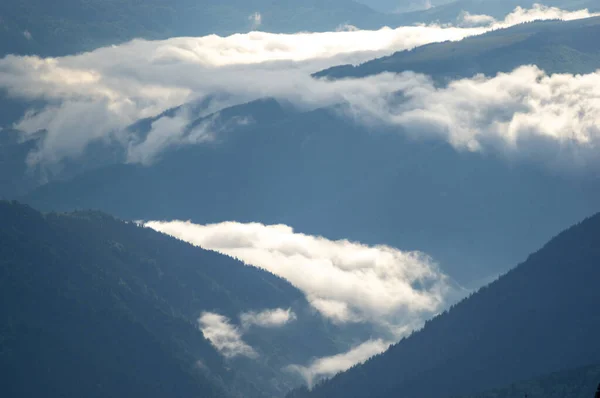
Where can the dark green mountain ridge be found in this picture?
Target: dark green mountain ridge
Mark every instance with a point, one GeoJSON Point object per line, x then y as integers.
{"type": "Point", "coordinates": [95, 307]}
{"type": "Point", "coordinates": [572, 383]}
{"type": "Point", "coordinates": [540, 317]}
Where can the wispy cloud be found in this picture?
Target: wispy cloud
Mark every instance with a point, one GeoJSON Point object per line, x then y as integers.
{"type": "Point", "coordinates": [527, 113]}
{"type": "Point", "coordinates": [330, 366]}
{"type": "Point", "coordinates": [225, 337]}
{"type": "Point", "coordinates": [267, 318]}
{"type": "Point", "coordinates": [541, 12]}
{"type": "Point", "coordinates": [538, 12]}
{"type": "Point", "coordinates": [112, 87]}
{"type": "Point", "coordinates": [346, 282]}
{"type": "Point", "coordinates": [256, 19]}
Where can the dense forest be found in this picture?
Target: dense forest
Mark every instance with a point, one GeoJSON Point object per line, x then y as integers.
{"type": "Point", "coordinates": [96, 307]}
{"type": "Point", "coordinates": [571, 383]}
{"type": "Point", "coordinates": [539, 318]}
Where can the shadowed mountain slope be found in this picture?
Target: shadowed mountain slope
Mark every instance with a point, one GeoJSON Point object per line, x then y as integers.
{"type": "Point", "coordinates": [93, 306]}
{"type": "Point", "coordinates": [572, 383]}
{"type": "Point", "coordinates": [539, 318]}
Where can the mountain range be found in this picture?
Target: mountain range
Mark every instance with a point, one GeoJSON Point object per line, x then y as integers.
{"type": "Point", "coordinates": [70, 26]}
{"type": "Point", "coordinates": [313, 169]}
{"type": "Point", "coordinates": [96, 304]}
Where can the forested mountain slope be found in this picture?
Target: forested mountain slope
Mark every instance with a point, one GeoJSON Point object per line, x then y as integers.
{"type": "Point", "coordinates": [554, 46]}
{"type": "Point", "coordinates": [539, 318]}
{"type": "Point", "coordinates": [572, 383]}
{"type": "Point", "coordinates": [95, 307]}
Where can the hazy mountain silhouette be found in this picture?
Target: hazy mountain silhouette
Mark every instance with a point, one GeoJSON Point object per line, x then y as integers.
{"type": "Point", "coordinates": [450, 11]}
{"type": "Point", "coordinates": [65, 27]}
{"type": "Point", "coordinates": [539, 318]}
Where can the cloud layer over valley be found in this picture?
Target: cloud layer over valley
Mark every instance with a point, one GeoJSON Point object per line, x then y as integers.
{"type": "Point", "coordinates": [111, 88]}
{"type": "Point", "coordinates": [392, 290]}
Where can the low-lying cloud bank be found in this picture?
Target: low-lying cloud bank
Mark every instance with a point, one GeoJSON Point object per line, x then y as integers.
{"type": "Point", "coordinates": [392, 291]}
{"type": "Point", "coordinates": [347, 282]}
{"type": "Point", "coordinates": [109, 89]}
{"type": "Point", "coordinates": [528, 113]}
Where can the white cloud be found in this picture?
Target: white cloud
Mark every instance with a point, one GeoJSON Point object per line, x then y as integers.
{"type": "Point", "coordinates": [27, 35]}
{"type": "Point", "coordinates": [330, 366]}
{"type": "Point", "coordinates": [225, 337]}
{"type": "Point", "coordinates": [346, 28]}
{"type": "Point", "coordinates": [468, 20]}
{"type": "Point", "coordinates": [345, 281]}
{"type": "Point", "coordinates": [538, 12]}
{"type": "Point", "coordinates": [94, 96]}
{"type": "Point", "coordinates": [525, 113]}
{"type": "Point", "coordinates": [541, 12]}
{"type": "Point", "coordinates": [167, 132]}
{"type": "Point", "coordinates": [267, 318]}
{"type": "Point", "coordinates": [256, 19]}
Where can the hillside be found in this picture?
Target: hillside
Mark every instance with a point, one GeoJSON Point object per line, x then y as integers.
{"type": "Point", "coordinates": [554, 46]}
{"type": "Point", "coordinates": [572, 383]}
{"type": "Point", "coordinates": [107, 308]}
{"type": "Point", "coordinates": [539, 318]}
{"type": "Point", "coordinates": [69, 26]}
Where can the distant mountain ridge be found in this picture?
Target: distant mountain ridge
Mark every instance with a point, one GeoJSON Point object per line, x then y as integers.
{"type": "Point", "coordinates": [450, 11]}
{"type": "Point", "coordinates": [65, 27]}
{"type": "Point", "coordinates": [554, 46]}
